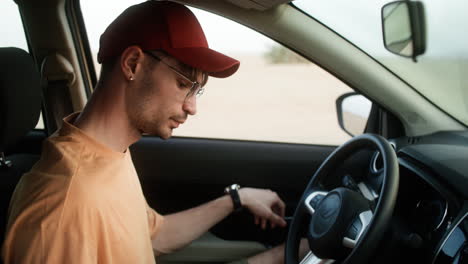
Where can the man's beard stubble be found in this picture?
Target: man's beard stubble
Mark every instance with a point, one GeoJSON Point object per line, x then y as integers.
{"type": "Point", "coordinates": [140, 114]}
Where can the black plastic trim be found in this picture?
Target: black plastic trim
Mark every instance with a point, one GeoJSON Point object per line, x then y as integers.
{"type": "Point", "coordinates": [80, 39]}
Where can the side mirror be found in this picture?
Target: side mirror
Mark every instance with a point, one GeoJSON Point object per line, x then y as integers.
{"type": "Point", "coordinates": [403, 26]}
{"type": "Point", "coordinates": [353, 112]}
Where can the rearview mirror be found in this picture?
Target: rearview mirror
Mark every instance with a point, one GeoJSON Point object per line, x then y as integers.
{"type": "Point", "coordinates": [403, 28]}
{"type": "Point", "coordinates": [353, 111]}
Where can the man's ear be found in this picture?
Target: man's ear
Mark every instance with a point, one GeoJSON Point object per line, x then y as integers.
{"type": "Point", "coordinates": [130, 61]}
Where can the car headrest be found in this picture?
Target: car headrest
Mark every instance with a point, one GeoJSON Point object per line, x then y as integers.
{"type": "Point", "coordinates": [20, 95]}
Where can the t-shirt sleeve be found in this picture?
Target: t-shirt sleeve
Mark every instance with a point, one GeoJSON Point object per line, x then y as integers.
{"type": "Point", "coordinates": [155, 221]}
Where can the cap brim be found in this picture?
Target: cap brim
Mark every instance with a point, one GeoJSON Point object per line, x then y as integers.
{"type": "Point", "coordinates": [214, 63]}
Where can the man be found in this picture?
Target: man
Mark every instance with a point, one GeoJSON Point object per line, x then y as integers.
{"type": "Point", "coordinates": [82, 202]}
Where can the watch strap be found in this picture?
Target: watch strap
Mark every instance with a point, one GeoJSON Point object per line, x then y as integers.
{"type": "Point", "coordinates": [232, 190]}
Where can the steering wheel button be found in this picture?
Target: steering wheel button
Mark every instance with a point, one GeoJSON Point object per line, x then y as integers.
{"type": "Point", "coordinates": [354, 229]}
{"type": "Point", "coordinates": [316, 200]}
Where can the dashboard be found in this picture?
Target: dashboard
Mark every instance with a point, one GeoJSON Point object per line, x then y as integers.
{"type": "Point", "coordinates": [430, 221]}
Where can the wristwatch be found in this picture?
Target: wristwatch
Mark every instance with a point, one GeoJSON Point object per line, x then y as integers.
{"type": "Point", "coordinates": [232, 190]}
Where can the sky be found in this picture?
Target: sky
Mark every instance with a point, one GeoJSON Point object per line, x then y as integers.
{"type": "Point", "coordinates": [11, 29]}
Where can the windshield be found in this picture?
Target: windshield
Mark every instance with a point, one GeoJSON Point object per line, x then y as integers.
{"type": "Point", "coordinates": [440, 74]}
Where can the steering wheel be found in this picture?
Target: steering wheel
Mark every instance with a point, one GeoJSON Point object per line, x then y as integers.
{"type": "Point", "coordinates": [345, 223]}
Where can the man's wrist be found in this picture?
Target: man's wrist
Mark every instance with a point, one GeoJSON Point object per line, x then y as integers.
{"type": "Point", "coordinates": [233, 191]}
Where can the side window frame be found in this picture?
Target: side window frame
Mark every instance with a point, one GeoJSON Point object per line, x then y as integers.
{"type": "Point", "coordinates": [80, 38]}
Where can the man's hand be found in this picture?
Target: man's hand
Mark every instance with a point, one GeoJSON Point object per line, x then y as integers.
{"type": "Point", "coordinates": [265, 205]}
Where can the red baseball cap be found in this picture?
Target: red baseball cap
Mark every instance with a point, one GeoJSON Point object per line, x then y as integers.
{"type": "Point", "coordinates": [167, 26]}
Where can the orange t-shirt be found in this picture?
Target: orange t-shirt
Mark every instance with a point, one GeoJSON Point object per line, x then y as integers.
{"type": "Point", "coordinates": [81, 203]}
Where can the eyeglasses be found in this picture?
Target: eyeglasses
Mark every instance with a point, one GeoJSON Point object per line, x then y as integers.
{"type": "Point", "coordinates": [195, 89]}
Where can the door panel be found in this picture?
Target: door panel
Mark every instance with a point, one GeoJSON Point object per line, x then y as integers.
{"type": "Point", "coordinates": [180, 173]}
{"type": "Point", "coordinates": [211, 249]}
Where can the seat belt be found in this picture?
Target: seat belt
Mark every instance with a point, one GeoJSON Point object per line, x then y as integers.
{"type": "Point", "coordinates": [58, 75]}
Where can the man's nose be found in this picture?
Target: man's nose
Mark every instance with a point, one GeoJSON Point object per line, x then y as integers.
{"type": "Point", "coordinates": [190, 105]}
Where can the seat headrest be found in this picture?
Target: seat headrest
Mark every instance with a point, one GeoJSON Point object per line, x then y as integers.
{"type": "Point", "coordinates": [20, 95]}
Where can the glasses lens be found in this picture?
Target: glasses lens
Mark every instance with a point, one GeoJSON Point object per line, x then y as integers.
{"type": "Point", "coordinates": [197, 90]}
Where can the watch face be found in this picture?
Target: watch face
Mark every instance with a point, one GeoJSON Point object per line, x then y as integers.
{"type": "Point", "coordinates": [231, 188]}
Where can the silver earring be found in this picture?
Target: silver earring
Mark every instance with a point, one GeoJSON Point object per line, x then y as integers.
{"type": "Point", "coordinates": [131, 78]}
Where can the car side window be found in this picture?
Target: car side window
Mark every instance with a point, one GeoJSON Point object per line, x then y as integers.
{"type": "Point", "coordinates": [11, 26]}
{"type": "Point", "coordinates": [12, 32]}
{"type": "Point", "coordinates": [276, 95]}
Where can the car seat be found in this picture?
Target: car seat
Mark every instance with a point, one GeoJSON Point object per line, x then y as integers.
{"type": "Point", "coordinates": [20, 107]}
